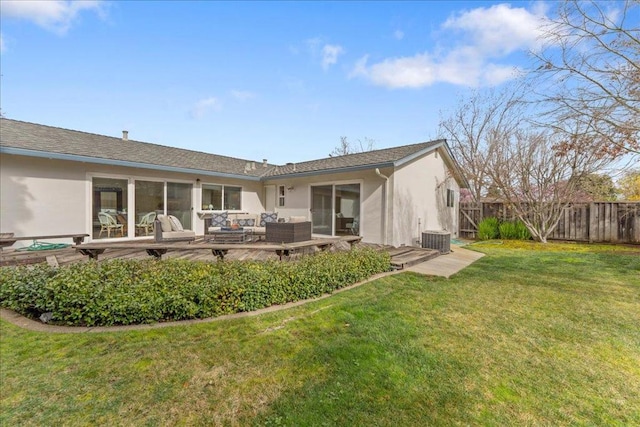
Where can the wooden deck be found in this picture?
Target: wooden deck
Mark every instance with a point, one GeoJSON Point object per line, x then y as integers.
{"type": "Point", "coordinates": [201, 250]}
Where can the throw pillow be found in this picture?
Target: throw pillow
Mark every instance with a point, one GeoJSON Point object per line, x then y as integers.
{"type": "Point", "coordinates": [219, 219]}
{"type": "Point", "coordinates": [176, 225]}
{"type": "Point", "coordinates": [246, 222]}
{"type": "Point", "coordinates": [165, 223]}
{"type": "Point", "coordinates": [268, 217]}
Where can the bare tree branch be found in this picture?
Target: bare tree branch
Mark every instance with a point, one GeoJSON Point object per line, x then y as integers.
{"type": "Point", "coordinates": [589, 70]}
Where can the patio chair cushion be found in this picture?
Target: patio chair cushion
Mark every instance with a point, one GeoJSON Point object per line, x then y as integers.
{"type": "Point", "coordinates": [219, 219]}
{"type": "Point", "coordinates": [165, 223]}
{"type": "Point", "coordinates": [179, 235]}
{"type": "Point", "coordinates": [297, 219]}
{"type": "Point", "coordinates": [268, 217]}
{"type": "Point", "coordinates": [176, 225]}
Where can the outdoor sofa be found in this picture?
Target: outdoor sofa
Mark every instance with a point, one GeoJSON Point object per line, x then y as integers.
{"type": "Point", "coordinates": [168, 228]}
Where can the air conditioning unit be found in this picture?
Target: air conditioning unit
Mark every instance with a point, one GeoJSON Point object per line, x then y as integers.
{"type": "Point", "coordinates": [438, 240]}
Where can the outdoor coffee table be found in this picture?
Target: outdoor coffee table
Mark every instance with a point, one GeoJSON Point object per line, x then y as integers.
{"type": "Point", "coordinates": [230, 235]}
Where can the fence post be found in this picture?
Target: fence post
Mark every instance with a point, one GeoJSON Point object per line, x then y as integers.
{"type": "Point", "coordinates": [593, 222]}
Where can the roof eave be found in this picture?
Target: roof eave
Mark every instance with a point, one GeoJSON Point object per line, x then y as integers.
{"type": "Point", "coordinates": [329, 171]}
{"type": "Point", "coordinates": [124, 163]}
{"type": "Point", "coordinates": [417, 154]}
{"type": "Point", "coordinates": [450, 160]}
{"type": "Point", "coordinates": [453, 164]}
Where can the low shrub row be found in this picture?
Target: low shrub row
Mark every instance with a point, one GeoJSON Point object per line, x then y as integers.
{"type": "Point", "coordinates": [123, 292]}
{"type": "Point", "coordinates": [492, 228]}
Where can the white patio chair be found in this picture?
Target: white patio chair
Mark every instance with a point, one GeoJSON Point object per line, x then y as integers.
{"type": "Point", "coordinates": [108, 223]}
{"type": "Point", "coordinates": [146, 223]}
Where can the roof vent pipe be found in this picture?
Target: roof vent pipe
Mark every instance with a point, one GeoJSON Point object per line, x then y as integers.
{"type": "Point", "coordinates": [264, 163]}
{"type": "Point", "coordinates": [385, 215]}
{"type": "Point", "coordinates": [125, 135]}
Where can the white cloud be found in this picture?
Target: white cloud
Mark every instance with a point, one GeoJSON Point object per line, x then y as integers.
{"type": "Point", "coordinates": [242, 95]}
{"type": "Point", "coordinates": [500, 29]}
{"type": "Point", "coordinates": [485, 37]}
{"type": "Point", "coordinates": [203, 106]}
{"type": "Point", "coordinates": [409, 72]}
{"type": "Point", "coordinates": [398, 35]}
{"type": "Point", "coordinates": [326, 53]}
{"type": "Point", "coordinates": [330, 55]}
{"type": "Point", "coordinates": [53, 15]}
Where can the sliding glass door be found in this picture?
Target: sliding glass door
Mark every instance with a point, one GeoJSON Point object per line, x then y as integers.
{"type": "Point", "coordinates": [127, 207]}
{"type": "Point", "coordinates": [347, 207]}
{"type": "Point", "coordinates": [335, 209]}
{"type": "Point", "coordinates": [109, 213]}
{"type": "Point", "coordinates": [321, 209]}
{"type": "Point", "coordinates": [149, 197]}
{"type": "Point", "coordinates": [179, 202]}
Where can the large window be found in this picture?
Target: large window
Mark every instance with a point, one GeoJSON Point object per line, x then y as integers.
{"type": "Point", "coordinates": [219, 197]}
{"type": "Point", "coordinates": [212, 197]}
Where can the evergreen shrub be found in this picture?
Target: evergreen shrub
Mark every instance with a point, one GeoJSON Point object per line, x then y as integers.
{"type": "Point", "coordinates": [123, 292]}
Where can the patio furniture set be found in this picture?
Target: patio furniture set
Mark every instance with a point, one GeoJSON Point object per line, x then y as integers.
{"type": "Point", "coordinates": [223, 234]}
{"type": "Point", "coordinates": [116, 223]}
{"type": "Point", "coordinates": [241, 228]}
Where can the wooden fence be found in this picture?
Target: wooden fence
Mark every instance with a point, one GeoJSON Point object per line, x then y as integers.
{"type": "Point", "coordinates": [611, 222]}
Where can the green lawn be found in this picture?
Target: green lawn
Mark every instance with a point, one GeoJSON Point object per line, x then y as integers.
{"type": "Point", "coordinates": [529, 335]}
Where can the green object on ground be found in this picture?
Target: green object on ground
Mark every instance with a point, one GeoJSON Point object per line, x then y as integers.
{"type": "Point", "coordinates": [458, 242]}
{"type": "Point", "coordinates": [44, 246]}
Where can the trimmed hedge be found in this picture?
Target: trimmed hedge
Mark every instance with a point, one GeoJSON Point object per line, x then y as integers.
{"type": "Point", "coordinates": [124, 292]}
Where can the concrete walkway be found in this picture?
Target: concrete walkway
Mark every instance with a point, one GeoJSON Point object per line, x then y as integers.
{"type": "Point", "coordinates": [447, 265]}
{"type": "Point", "coordinates": [443, 266]}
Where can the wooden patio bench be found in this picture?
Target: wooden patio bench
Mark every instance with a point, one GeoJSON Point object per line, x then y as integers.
{"type": "Point", "coordinates": [92, 250]}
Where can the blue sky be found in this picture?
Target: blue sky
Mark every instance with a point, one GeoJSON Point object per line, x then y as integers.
{"type": "Point", "coordinates": [282, 81]}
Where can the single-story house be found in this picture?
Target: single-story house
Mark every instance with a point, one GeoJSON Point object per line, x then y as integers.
{"type": "Point", "coordinates": [57, 181]}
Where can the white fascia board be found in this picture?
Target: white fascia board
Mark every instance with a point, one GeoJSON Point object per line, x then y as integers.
{"type": "Point", "coordinates": [124, 163]}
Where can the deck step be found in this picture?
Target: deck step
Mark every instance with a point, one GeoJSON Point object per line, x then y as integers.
{"type": "Point", "coordinates": [400, 250]}
{"type": "Point", "coordinates": [414, 256]}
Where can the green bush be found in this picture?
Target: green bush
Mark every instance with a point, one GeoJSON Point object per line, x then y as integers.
{"type": "Point", "coordinates": [122, 292]}
{"type": "Point", "coordinates": [514, 230]}
{"type": "Point", "coordinates": [488, 229]}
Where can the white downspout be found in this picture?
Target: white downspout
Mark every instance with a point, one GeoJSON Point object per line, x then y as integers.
{"type": "Point", "coordinates": [386, 204]}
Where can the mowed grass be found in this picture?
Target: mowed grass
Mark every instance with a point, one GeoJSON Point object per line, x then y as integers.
{"type": "Point", "coordinates": [528, 335]}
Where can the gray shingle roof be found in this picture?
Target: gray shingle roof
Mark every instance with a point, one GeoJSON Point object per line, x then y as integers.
{"type": "Point", "coordinates": [368, 158]}
{"type": "Point", "coordinates": [47, 139]}
{"type": "Point", "coordinates": [30, 136]}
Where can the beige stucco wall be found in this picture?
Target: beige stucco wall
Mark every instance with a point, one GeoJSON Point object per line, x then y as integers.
{"type": "Point", "coordinates": [48, 197]}
{"type": "Point", "coordinates": [298, 200]}
{"type": "Point", "coordinates": [415, 209]}
{"type": "Point", "coordinates": [38, 199]}
{"type": "Point", "coordinates": [41, 196]}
